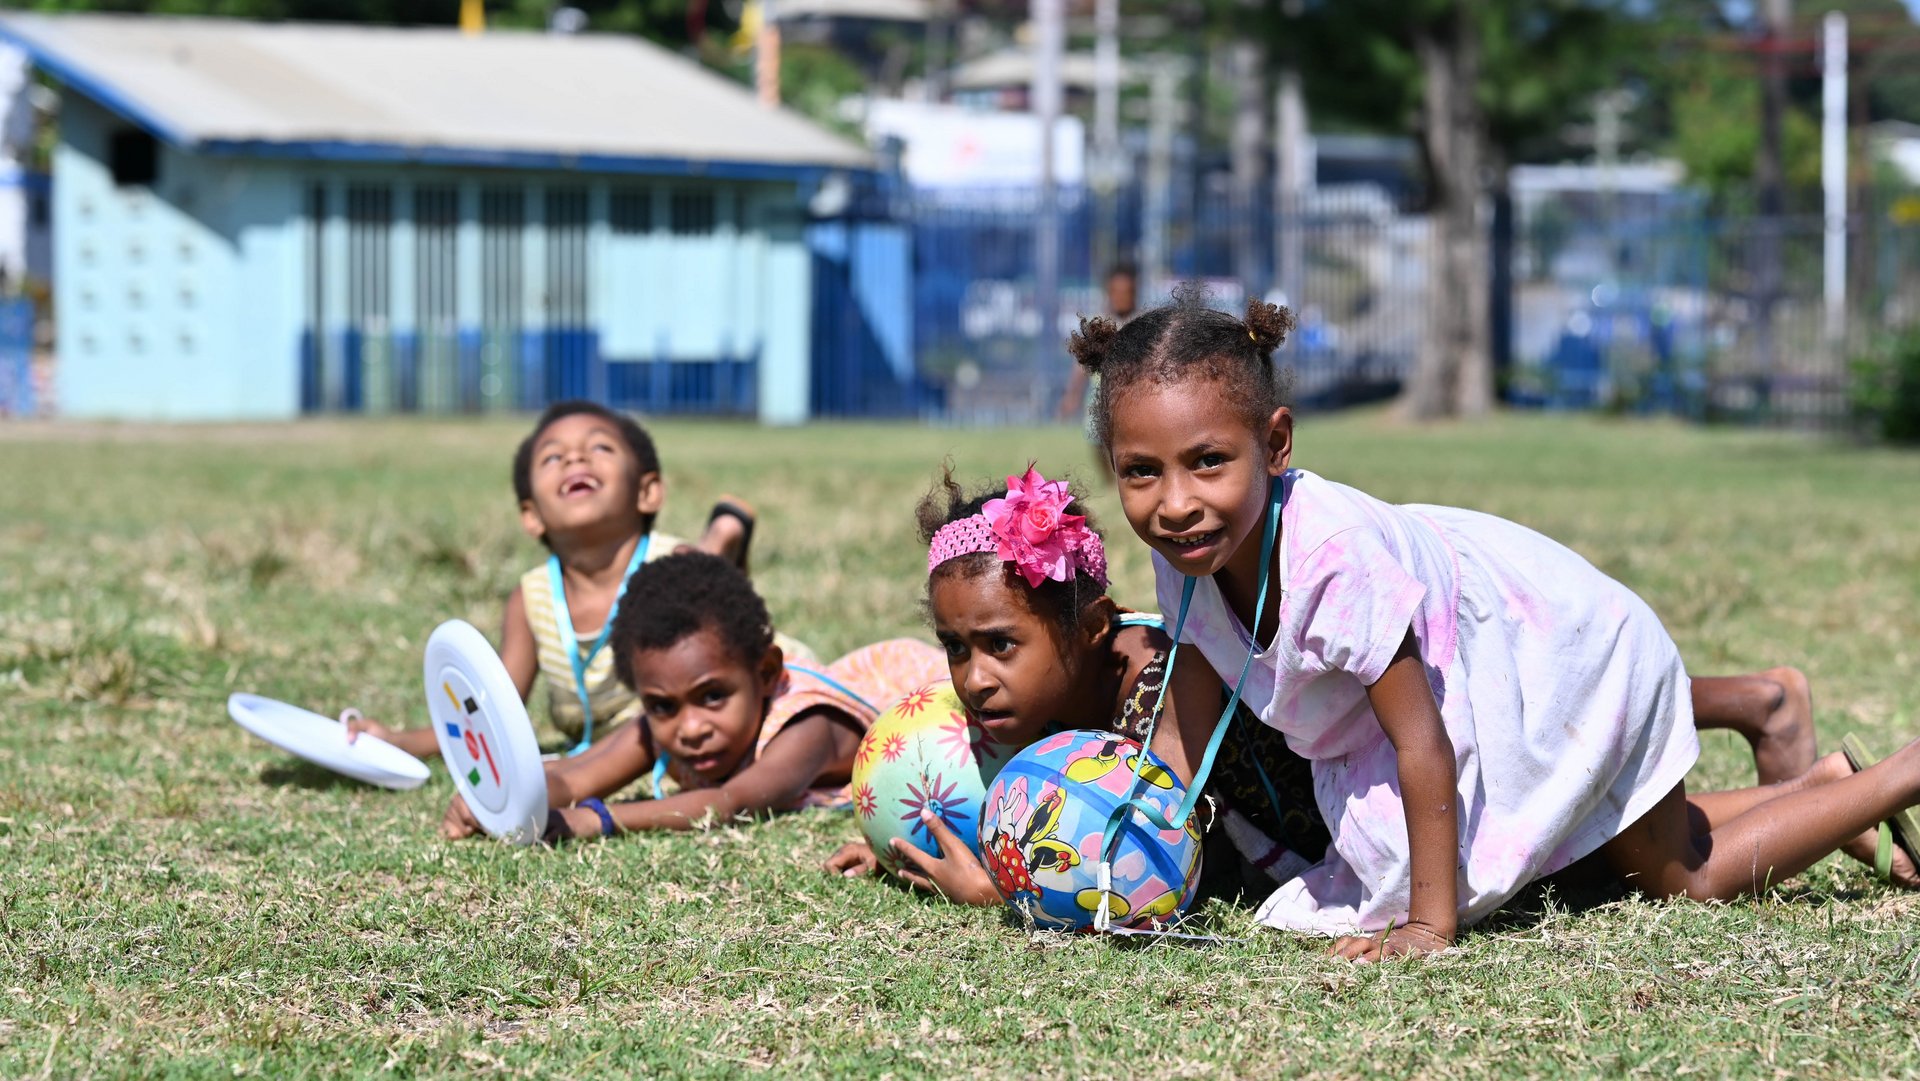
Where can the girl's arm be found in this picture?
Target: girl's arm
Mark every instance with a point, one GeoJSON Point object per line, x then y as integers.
{"type": "Point", "coordinates": [805, 748]}
{"type": "Point", "coordinates": [1188, 712]}
{"type": "Point", "coordinates": [1429, 791]}
{"type": "Point", "coordinates": [613, 762]}
{"type": "Point", "coordinates": [516, 650]}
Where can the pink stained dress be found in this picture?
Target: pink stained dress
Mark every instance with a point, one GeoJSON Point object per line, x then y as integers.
{"type": "Point", "coordinates": [1565, 700]}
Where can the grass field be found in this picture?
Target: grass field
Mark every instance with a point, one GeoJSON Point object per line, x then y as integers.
{"type": "Point", "coordinates": [179, 899]}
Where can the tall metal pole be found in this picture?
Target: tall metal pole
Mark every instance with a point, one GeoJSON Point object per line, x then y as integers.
{"type": "Point", "coordinates": [1833, 170]}
{"type": "Point", "coordinates": [1248, 61]}
{"type": "Point", "coordinates": [766, 56]}
{"type": "Point", "coordinates": [1106, 129]}
{"type": "Point", "coordinates": [1157, 199]}
{"type": "Point", "coordinates": [1049, 40]}
{"type": "Point", "coordinates": [1769, 175]}
{"type": "Point", "coordinates": [1293, 165]}
{"type": "Point", "coordinates": [939, 26]}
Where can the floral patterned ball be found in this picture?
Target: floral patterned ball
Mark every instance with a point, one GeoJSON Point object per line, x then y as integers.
{"type": "Point", "coordinates": [1041, 832]}
{"type": "Point", "coordinates": [926, 752]}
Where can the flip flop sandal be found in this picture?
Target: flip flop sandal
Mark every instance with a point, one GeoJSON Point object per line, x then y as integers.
{"type": "Point", "coordinates": [729, 509]}
{"type": "Point", "coordinates": [1902, 829]}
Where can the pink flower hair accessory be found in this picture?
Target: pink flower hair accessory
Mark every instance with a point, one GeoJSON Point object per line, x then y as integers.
{"type": "Point", "coordinates": [1029, 528]}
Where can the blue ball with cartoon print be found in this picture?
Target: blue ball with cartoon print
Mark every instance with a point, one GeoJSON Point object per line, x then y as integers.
{"type": "Point", "coordinates": [1045, 817]}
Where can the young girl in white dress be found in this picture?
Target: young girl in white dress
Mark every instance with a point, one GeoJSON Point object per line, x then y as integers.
{"type": "Point", "coordinates": [1480, 704]}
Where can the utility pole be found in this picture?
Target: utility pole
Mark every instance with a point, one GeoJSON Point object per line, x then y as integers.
{"type": "Point", "coordinates": [1049, 20]}
{"type": "Point", "coordinates": [1293, 163]}
{"type": "Point", "coordinates": [1247, 62]}
{"type": "Point", "coordinates": [1106, 164]}
{"type": "Point", "coordinates": [766, 56]}
{"type": "Point", "coordinates": [1770, 179]}
{"type": "Point", "coordinates": [1157, 202]}
{"type": "Point", "coordinates": [939, 26]}
{"type": "Point", "coordinates": [1833, 172]}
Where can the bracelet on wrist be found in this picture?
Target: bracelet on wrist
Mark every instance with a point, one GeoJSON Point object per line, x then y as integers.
{"type": "Point", "coordinates": [599, 807]}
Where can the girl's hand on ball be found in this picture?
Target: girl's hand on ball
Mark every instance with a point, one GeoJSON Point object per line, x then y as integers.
{"type": "Point", "coordinates": [855, 859]}
{"type": "Point", "coordinates": [957, 876]}
{"type": "Point", "coordinates": [459, 822]}
{"type": "Point", "coordinates": [1410, 940]}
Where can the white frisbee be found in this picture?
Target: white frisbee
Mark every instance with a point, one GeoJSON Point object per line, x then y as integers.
{"type": "Point", "coordinates": [323, 741]}
{"type": "Point", "coordinates": [485, 735]}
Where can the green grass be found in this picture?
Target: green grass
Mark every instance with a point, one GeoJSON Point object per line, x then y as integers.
{"type": "Point", "coordinates": [177, 898]}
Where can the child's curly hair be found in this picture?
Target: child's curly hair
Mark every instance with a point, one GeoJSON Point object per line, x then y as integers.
{"type": "Point", "coordinates": [1064, 603]}
{"type": "Point", "coordinates": [677, 596]}
{"type": "Point", "coordinates": [1187, 339]}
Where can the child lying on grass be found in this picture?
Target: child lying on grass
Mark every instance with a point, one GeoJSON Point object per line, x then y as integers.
{"type": "Point", "coordinates": [589, 485]}
{"type": "Point", "coordinates": [729, 723]}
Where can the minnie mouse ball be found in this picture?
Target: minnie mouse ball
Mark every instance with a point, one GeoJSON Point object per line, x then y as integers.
{"type": "Point", "coordinates": [1045, 818]}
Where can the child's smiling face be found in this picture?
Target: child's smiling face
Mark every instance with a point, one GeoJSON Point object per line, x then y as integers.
{"type": "Point", "coordinates": [1011, 665]}
{"type": "Point", "coordinates": [703, 703]}
{"type": "Point", "coordinates": [1193, 474]}
{"type": "Point", "coordinates": [584, 476]}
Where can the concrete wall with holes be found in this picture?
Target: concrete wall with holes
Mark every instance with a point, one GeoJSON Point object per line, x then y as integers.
{"type": "Point", "coordinates": [176, 300]}
{"type": "Point", "coordinates": [233, 288]}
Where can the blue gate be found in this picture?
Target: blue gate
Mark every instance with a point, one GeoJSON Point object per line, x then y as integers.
{"type": "Point", "coordinates": [16, 358]}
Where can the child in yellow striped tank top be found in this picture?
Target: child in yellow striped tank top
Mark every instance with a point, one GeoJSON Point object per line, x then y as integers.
{"type": "Point", "coordinates": [589, 487]}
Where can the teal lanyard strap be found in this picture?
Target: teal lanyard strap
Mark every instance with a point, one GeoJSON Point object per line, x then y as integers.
{"type": "Point", "coordinates": [563, 621]}
{"type": "Point", "coordinates": [835, 684]}
{"type": "Point", "coordinates": [1158, 622]}
{"type": "Point", "coordinates": [1111, 837]}
{"type": "Point", "coordinates": [660, 757]}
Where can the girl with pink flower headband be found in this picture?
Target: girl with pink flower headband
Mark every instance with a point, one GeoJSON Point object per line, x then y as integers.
{"type": "Point", "coordinates": [1017, 592]}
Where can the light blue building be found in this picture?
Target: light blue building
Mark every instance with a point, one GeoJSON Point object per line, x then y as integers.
{"type": "Point", "coordinates": [259, 221]}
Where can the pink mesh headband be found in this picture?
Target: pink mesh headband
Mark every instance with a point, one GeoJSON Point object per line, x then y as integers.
{"type": "Point", "coordinates": [1029, 528]}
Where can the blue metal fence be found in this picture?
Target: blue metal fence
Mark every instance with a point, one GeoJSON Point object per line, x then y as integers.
{"type": "Point", "coordinates": [1660, 307]}
{"type": "Point", "coordinates": [17, 396]}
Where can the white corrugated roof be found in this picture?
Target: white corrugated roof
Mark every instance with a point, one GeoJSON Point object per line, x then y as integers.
{"type": "Point", "coordinates": [1015, 66]}
{"type": "Point", "coordinates": [904, 11]}
{"type": "Point", "coordinates": [507, 98]}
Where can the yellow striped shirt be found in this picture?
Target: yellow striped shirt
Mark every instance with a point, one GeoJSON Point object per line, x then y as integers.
{"type": "Point", "coordinates": [612, 702]}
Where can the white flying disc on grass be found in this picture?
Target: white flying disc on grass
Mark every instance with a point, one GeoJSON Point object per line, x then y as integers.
{"type": "Point", "coordinates": [485, 735]}
{"type": "Point", "coordinates": [323, 741]}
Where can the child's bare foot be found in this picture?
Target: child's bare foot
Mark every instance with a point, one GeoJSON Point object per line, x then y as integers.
{"type": "Point", "coordinates": [1783, 741]}
{"type": "Point", "coordinates": [1904, 874]}
{"type": "Point", "coordinates": [730, 530]}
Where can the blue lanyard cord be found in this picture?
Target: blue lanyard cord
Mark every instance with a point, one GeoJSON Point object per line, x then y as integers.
{"type": "Point", "coordinates": [660, 756]}
{"type": "Point", "coordinates": [1111, 838]}
{"type": "Point", "coordinates": [1158, 622]}
{"type": "Point", "coordinates": [563, 621]}
{"type": "Point", "coordinates": [834, 683]}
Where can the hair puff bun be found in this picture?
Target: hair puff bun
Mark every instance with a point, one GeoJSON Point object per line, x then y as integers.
{"type": "Point", "coordinates": [1268, 324]}
{"type": "Point", "coordinates": [1093, 341]}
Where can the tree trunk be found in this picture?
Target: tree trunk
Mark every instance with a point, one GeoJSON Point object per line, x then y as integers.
{"type": "Point", "coordinates": [1453, 373]}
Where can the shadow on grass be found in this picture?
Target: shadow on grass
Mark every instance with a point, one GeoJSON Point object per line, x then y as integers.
{"type": "Point", "coordinates": [298, 774]}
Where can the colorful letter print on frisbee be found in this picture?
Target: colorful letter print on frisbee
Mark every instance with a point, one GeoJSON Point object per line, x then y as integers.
{"type": "Point", "coordinates": [485, 736]}
{"type": "Point", "coordinates": [1045, 816]}
{"type": "Point", "coordinates": [924, 752]}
